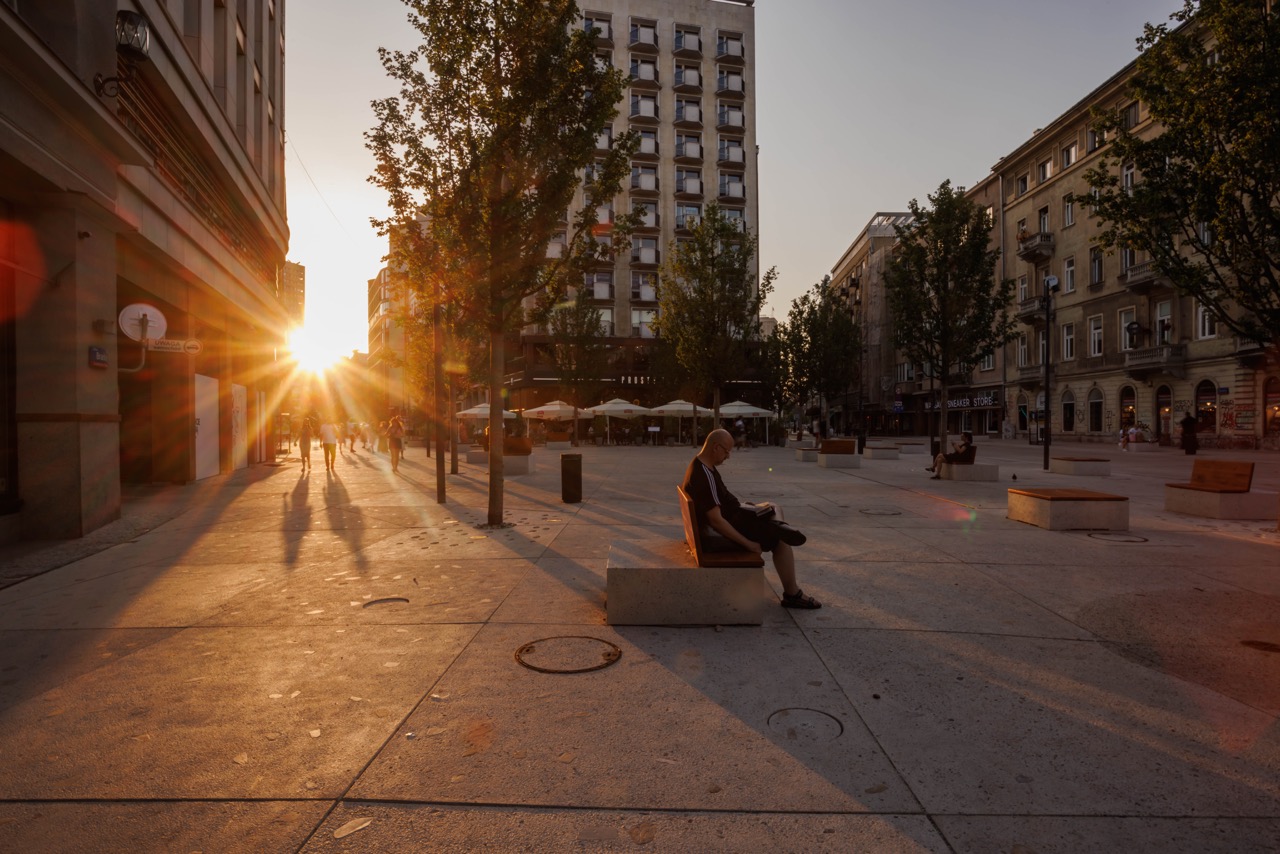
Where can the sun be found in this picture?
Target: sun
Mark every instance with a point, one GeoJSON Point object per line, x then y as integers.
{"type": "Point", "coordinates": [312, 352]}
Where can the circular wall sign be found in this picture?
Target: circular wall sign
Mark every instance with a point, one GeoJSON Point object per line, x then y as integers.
{"type": "Point", "coordinates": [142, 320]}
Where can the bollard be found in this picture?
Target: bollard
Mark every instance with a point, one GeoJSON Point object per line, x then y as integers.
{"type": "Point", "coordinates": [571, 478]}
{"type": "Point", "coordinates": [862, 442]}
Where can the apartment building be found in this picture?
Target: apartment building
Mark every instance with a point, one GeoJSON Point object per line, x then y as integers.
{"type": "Point", "coordinates": [1126, 348]}
{"type": "Point", "coordinates": [142, 200]}
{"type": "Point", "coordinates": [692, 101]}
{"type": "Point", "coordinates": [388, 387]}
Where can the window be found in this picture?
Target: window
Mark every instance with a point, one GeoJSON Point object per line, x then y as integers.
{"type": "Point", "coordinates": [1164, 322]}
{"type": "Point", "coordinates": [729, 114]}
{"type": "Point", "coordinates": [648, 214]}
{"type": "Point", "coordinates": [688, 180]}
{"type": "Point", "coordinates": [688, 110]}
{"type": "Point", "coordinates": [1206, 323]}
{"type": "Point", "coordinates": [599, 284]}
{"type": "Point", "coordinates": [905, 372]}
{"type": "Point", "coordinates": [1095, 139]}
{"type": "Point", "coordinates": [1043, 219]}
{"type": "Point", "coordinates": [606, 320]}
{"type": "Point", "coordinates": [729, 80]}
{"type": "Point", "coordinates": [1044, 171]}
{"type": "Point", "coordinates": [988, 362]}
{"type": "Point", "coordinates": [644, 33]}
{"type": "Point", "coordinates": [687, 216]}
{"type": "Point", "coordinates": [1128, 329]}
{"type": "Point", "coordinates": [1042, 350]}
{"type": "Point", "coordinates": [1023, 354]}
{"type": "Point", "coordinates": [1068, 211]}
{"type": "Point", "coordinates": [688, 75]}
{"type": "Point", "coordinates": [642, 322]}
{"type": "Point", "coordinates": [736, 217]}
{"type": "Point", "coordinates": [1204, 231]}
{"type": "Point", "coordinates": [644, 106]}
{"type": "Point", "coordinates": [604, 60]}
{"type": "Point", "coordinates": [729, 44]}
{"type": "Point", "coordinates": [644, 286]}
{"type": "Point", "coordinates": [689, 145]}
{"type": "Point", "coordinates": [731, 185]}
{"type": "Point", "coordinates": [1129, 120]}
{"type": "Point", "coordinates": [1128, 176]}
{"type": "Point", "coordinates": [644, 69]}
{"type": "Point", "coordinates": [648, 142]}
{"type": "Point", "coordinates": [1095, 266]}
{"type": "Point", "coordinates": [1206, 407]}
{"type": "Point", "coordinates": [1022, 289]}
{"type": "Point", "coordinates": [731, 150]}
{"type": "Point", "coordinates": [1095, 335]}
{"type": "Point", "coordinates": [1068, 342]}
{"type": "Point", "coordinates": [601, 24]}
{"type": "Point", "coordinates": [1068, 154]}
{"type": "Point", "coordinates": [687, 39]}
{"type": "Point", "coordinates": [1128, 258]}
{"type": "Point", "coordinates": [1022, 185]}
{"type": "Point", "coordinates": [644, 177]}
{"type": "Point", "coordinates": [1068, 275]}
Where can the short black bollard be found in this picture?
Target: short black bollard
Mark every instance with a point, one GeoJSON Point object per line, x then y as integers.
{"type": "Point", "coordinates": [935, 448]}
{"type": "Point", "coordinates": [571, 478]}
{"type": "Point", "coordinates": [862, 442]}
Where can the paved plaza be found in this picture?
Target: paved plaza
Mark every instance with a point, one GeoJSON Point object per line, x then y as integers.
{"type": "Point", "coordinates": [285, 661]}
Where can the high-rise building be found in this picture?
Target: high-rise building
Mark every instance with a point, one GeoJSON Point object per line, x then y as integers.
{"type": "Point", "coordinates": [294, 293]}
{"type": "Point", "coordinates": [692, 101]}
{"type": "Point", "coordinates": [142, 247]}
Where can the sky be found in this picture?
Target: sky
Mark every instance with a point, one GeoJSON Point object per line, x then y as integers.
{"type": "Point", "coordinates": [861, 106]}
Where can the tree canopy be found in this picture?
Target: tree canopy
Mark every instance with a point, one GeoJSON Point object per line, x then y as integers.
{"type": "Point", "coordinates": [1206, 203]}
{"type": "Point", "coordinates": [496, 123]}
{"type": "Point", "coordinates": [823, 344]}
{"type": "Point", "coordinates": [947, 306]}
{"type": "Point", "coordinates": [709, 301]}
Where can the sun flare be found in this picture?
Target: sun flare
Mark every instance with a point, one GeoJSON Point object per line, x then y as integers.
{"type": "Point", "coordinates": [312, 352]}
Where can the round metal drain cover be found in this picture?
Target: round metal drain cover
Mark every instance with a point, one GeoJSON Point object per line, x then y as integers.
{"type": "Point", "coordinates": [568, 654]}
{"type": "Point", "coordinates": [1110, 537]}
{"type": "Point", "coordinates": [805, 725]}
{"type": "Point", "coordinates": [390, 600]}
{"type": "Point", "coordinates": [874, 512]}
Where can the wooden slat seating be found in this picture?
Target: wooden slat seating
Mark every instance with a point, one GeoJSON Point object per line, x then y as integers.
{"type": "Point", "coordinates": [698, 541]}
{"type": "Point", "coordinates": [1069, 509]}
{"type": "Point", "coordinates": [839, 454]}
{"type": "Point", "coordinates": [1220, 489]}
{"type": "Point", "coordinates": [839, 446]}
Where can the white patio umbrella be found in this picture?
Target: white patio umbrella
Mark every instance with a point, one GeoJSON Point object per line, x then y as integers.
{"type": "Point", "coordinates": [681, 409]}
{"type": "Point", "coordinates": [481, 410]}
{"type": "Point", "coordinates": [555, 410]}
{"type": "Point", "coordinates": [740, 408]}
{"type": "Point", "coordinates": [617, 408]}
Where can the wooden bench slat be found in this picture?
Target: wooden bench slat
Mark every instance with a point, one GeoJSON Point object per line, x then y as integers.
{"type": "Point", "coordinates": [1228, 476]}
{"type": "Point", "coordinates": [1068, 494]}
{"type": "Point", "coordinates": [693, 537]}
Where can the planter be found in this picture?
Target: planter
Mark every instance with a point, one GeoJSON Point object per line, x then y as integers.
{"type": "Point", "coordinates": [557, 436]}
{"type": "Point", "coordinates": [517, 446]}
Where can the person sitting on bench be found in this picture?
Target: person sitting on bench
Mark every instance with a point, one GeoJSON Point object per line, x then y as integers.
{"type": "Point", "coordinates": [756, 528]}
{"type": "Point", "coordinates": [964, 454]}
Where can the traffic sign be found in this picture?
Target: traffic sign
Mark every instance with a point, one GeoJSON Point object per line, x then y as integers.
{"type": "Point", "coordinates": [190, 346]}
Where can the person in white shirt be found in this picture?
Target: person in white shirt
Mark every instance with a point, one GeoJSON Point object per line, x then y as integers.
{"type": "Point", "coordinates": [329, 441]}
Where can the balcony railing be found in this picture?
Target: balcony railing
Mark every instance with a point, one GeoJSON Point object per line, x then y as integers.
{"type": "Point", "coordinates": [1167, 359]}
{"type": "Point", "coordinates": [1031, 311]}
{"type": "Point", "coordinates": [1141, 278]}
{"type": "Point", "coordinates": [1036, 247]}
{"type": "Point", "coordinates": [688, 44]}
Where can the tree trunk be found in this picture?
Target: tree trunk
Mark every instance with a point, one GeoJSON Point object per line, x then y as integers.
{"type": "Point", "coordinates": [453, 430]}
{"type": "Point", "coordinates": [440, 416]}
{"type": "Point", "coordinates": [497, 352]}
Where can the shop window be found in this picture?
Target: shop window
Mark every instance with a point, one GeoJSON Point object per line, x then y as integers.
{"type": "Point", "coordinates": [1271, 406]}
{"type": "Point", "coordinates": [1095, 410]}
{"type": "Point", "coordinates": [1068, 412]}
{"type": "Point", "coordinates": [1206, 407]}
{"type": "Point", "coordinates": [1128, 407]}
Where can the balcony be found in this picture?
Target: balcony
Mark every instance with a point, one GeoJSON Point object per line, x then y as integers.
{"type": "Point", "coordinates": [648, 149]}
{"type": "Point", "coordinates": [730, 50]}
{"type": "Point", "coordinates": [687, 222]}
{"type": "Point", "coordinates": [1250, 354]}
{"type": "Point", "coordinates": [644, 112]}
{"type": "Point", "coordinates": [733, 190]}
{"type": "Point", "coordinates": [731, 119]}
{"type": "Point", "coordinates": [688, 80]}
{"type": "Point", "coordinates": [688, 44]}
{"type": "Point", "coordinates": [604, 31]}
{"type": "Point", "coordinates": [650, 220]}
{"type": "Point", "coordinates": [644, 75]}
{"type": "Point", "coordinates": [1031, 376]}
{"type": "Point", "coordinates": [644, 184]}
{"type": "Point", "coordinates": [643, 39]}
{"type": "Point", "coordinates": [1168, 359]}
{"type": "Point", "coordinates": [1035, 248]}
{"type": "Point", "coordinates": [644, 293]}
{"type": "Point", "coordinates": [730, 84]}
{"type": "Point", "coordinates": [689, 151]}
{"type": "Point", "coordinates": [688, 115]}
{"type": "Point", "coordinates": [1031, 311]}
{"type": "Point", "coordinates": [689, 188]}
{"type": "Point", "coordinates": [645, 257]}
{"type": "Point", "coordinates": [731, 155]}
{"type": "Point", "coordinates": [1142, 278]}
{"type": "Point", "coordinates": [604, 140]}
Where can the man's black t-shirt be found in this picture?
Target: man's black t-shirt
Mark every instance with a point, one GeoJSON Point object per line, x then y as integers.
{"type": "Point", "coordinates": [703, 484]}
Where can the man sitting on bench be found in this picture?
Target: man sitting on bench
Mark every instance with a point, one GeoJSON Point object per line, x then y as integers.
{"type": "Point", "coordinates": [964, 454]}
{"type": "Point", "coordinates": [756, 528]}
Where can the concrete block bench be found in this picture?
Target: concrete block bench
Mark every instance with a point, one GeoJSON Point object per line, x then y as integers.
{"type": "Point", "coordinates": [559, 445]}
{"type": "Point", "coordinates": [880, 452]}
{"type": "Point", "coordinates": [839, 454]}
{"type": "Point", "coordinates": [1143, 447]}
{"type": "Point", "coordinates": [1069, 509]}
{"type": "Point", "coordinates": [806, 442]}
{"type": "Point", "coordinates": [911, 447]}
{"type": "Point", "coordinates": [517, 464]}
{"type": "Point", "coordinates": [477, 455]}
{"type": "Point", "coordinates": [806, 455]}
{"type": "Point", "coordinates": [1080, 465]}
{"type": "Point", "coordinates": [1221, 489]}
{"type": "Point", "coordinates": [968, 471]}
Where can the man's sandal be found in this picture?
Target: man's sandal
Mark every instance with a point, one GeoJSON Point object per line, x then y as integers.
{"type": "Point", "coordinates": [801, 601]}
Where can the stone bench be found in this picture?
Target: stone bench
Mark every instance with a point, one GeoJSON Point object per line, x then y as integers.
{"type": "Point", "coordinates": [558, 445]}
{"type": "Point", "coordinates": [806, 455]}
{"type": "Point", "coordinates": [839, 454]}
{"type": "Point", "coordinates": [1220, 489]}
{"type": "Point", "coordinates": [880, 452]}
{"type": "Point", "coordinates": [806, 442]}
{"type": "Point", "coordinates": [1080, 465]}
{"type": "Point", "coordinates": [1069, 509]}
{"type": "Point", "coordinates": [477, 455]}
{"type": "Point", "coordinates": [911, 447]}
{"type": "Point", "coordinates": [968, 471]}
{"type": "Point", "coordinates": [517, 464]}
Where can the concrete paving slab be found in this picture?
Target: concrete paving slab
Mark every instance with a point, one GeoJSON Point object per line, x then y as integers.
{"type": "Point", "coordinates": [1068, 835]}
{"type": "Point", "coordinates": [198, 826]}
{"type": "Point", "coordinates": [981, 724]}
{"type": "Point", "coordinates": [685, 719]}
{"type": "Point", "coordinates": [222, 713]}
{"type": "Point", "coordinates": [592, 542]}
{"type": "Point", "coordinates": [557, 591]}
{"type": "Point", "coordinates": [868, 544]}
{"type": "Point", "coordinates": [465, 542]}
{"type": "Point", "coordinates": [408, 827]}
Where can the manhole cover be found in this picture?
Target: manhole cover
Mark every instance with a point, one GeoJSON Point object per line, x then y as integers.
{"type": "Point", "coordinates": [874, 512]}
{"type": "Point", "coordinates": [1109, 537]}
{"type": "Point", "coordinates": [568, 654]}
{"type": "Point", "coordinates": [390, 600]}
{"type": "Point", "coordinates": [805, 725]}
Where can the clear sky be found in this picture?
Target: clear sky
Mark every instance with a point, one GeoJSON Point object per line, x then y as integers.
{"type": "Point", "coordinates": [861, 106]}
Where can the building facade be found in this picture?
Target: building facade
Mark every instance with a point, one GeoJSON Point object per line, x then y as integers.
{"type": "Point", "coordinates": [142, 244]}
{"type": "Point", "coordinates": [692, 101]}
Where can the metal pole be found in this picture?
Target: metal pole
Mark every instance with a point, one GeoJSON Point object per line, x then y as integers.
{"type": "Point", "coordinates": [1050, 286]}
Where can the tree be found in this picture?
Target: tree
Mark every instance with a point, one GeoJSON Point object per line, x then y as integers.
{"type": "Point", "coordinates": [947, 307]}
{"type": "Point", "coordinates": [496, 122]}
{"type": "Point", "coordinates": [577, 347]}
{"type": "Point", "coordinates": [709, 301]}
{"type": "Point", "coordinates": [1206, 205]}
{"type": "Point", "coordinates": [824, 344]}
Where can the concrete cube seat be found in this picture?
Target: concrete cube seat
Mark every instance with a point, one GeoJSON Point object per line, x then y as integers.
{"type": "Point", "coordinates": [911, 447]}
{"type": "Point", "coordinates": [839, 461]}
{"type": "Point", "coordinates": [518, 464]}
{"type": "Point", "coordinates": [880, 452]}
{"type": "Point", "coordinates": [1069, 509]}
{"type": "Point", "coordinates": [968, 471]}
{"type": "Point", "coordinates": [477, 455]}
{"type": "Point", "coordinates": [806, 455]}
{"type": "Point", "coordinates": [1099, 466]}
{"type": "Point", "coordinates": [656, 582]}
{"type": "Point", "coordinates": [559, 446]}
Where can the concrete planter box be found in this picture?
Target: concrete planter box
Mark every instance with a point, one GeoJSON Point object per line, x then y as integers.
{"type": "Point", "coordinates": [806, 455]}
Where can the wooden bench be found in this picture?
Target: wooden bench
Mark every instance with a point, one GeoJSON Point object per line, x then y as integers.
{"type": "Point", "coordinates": [1220, 489]}
{"type": "Point", "coordinates": [880, 452]}
{"type": "Point", "coordinates": [1080, 465]}
{"type": "Point", "coordinates": [660, 581]}
{"type": "Point", "coordinates": [1069, 509]}
{"type": "Point", "coordinates": [839, 454]}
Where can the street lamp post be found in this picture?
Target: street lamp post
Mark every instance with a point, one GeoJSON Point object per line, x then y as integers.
{"type": "Point", "coordinates": [1050, 288]}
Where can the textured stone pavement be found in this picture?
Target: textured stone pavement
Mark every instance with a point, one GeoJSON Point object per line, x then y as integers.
{"type": "Point", "coordinates": [279, 661]}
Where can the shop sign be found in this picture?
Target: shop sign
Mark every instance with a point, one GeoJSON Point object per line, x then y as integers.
{"type": "Point", "coordinates": [985, 399]}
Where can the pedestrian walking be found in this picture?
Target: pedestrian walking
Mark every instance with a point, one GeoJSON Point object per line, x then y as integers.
{"type": "Point", "coordinates": [329, 441]}
{"type": "Point", "coordinates": [304, 442]}
{"type": "Point", "coordinates": [395, 436]}
{"type": "Point", "coordinates": [1189, 442]}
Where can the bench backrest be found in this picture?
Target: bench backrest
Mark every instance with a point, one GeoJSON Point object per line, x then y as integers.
{"type": "Point", "coordinates": [839, 446]}
{"type": "Point", "coordinates": [1225, 475]}
{"type": "Point", "coordinates": [693, 536]}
